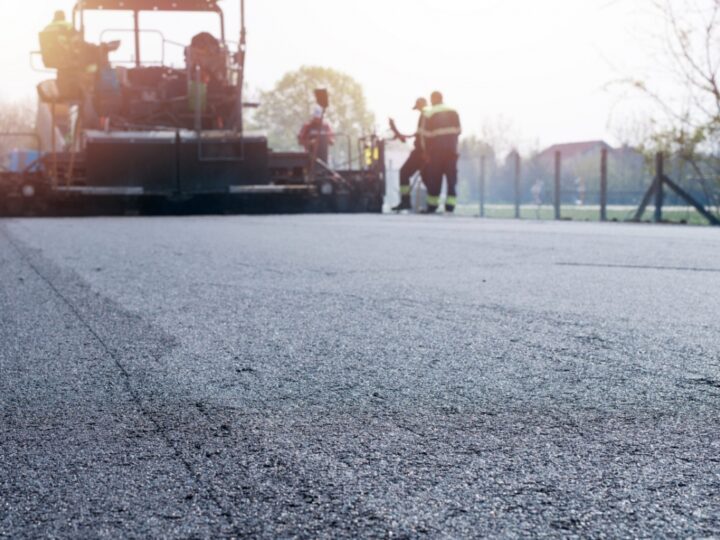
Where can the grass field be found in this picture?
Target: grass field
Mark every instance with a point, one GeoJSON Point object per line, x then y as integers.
{"type": "Point", "coordinates": [673, 214]}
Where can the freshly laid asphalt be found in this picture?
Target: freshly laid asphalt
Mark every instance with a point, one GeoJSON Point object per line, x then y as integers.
{"type": "Point", "coordinates": [358, 376]}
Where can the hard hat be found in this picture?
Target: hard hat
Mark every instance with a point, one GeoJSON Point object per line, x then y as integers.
{"type": "Point", "coordinates": [420, 104]}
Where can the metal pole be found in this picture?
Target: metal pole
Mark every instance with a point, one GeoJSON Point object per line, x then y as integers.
{"type": "Point", "coordinates": [53, 145]}
{"type": "Point", "coordinates": [221, 15]}
{"type": "Point", "coordinates": [603, 184]}
{"type": "Point", "coordinates": [243, 31]}
{"type": "Point", "coordinates": [690, 200]}
{"type": "Point", "coordinates": [659, 176]}
{"type": "Point", "coordinates": [136, 24]}
{"type": "Point", "coordinates": [517, 185]}
{"type": "Point", "coordinates": [482, 186]}
{"type": "Point", "coordinates": [349, 153]}
{"type": "Point", "coordinates": [239, 124]}
{"type": "Point", "coordinates": [558, 165]}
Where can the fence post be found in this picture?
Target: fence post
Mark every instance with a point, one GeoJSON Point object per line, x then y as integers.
{"type": "Point", "coordinates": [659, 179]}
{"type": "Point", "coordinates": [482, 186]}
{"type": "Point", "coordinates": [558, 164]}
{"type": "Point", "coordinates": [517, 184]}
{"type": "Point", "coordinates": [603, 184]}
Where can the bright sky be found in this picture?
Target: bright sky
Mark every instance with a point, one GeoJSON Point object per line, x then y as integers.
{"type": "Point", "coordinates": [540, 66]}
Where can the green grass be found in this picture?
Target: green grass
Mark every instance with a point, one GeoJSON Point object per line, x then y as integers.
{"type": "Point", "coordinates": [673, 214]}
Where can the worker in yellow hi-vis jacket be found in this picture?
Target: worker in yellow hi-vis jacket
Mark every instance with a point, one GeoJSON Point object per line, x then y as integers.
{"type": "Point", "coordinates": [440, 131]}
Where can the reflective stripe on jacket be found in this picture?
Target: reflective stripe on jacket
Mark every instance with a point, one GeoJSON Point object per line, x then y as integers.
{"type": "Point", "coordinates": [440, 129]}
{"type": "Point", "coordinates": [61, 27]}
{"type": "Point", "coordinates": [58, 34]}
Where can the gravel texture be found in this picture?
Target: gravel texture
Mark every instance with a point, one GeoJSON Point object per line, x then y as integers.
{"type": "Point", "coordinates": [345, 376]}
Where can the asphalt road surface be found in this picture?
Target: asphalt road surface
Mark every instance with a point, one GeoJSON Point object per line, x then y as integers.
{"type": "Point", "coordinates": [346, 376]}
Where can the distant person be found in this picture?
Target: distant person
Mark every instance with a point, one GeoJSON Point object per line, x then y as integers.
{"type": "Point", "coordinates": [206, 54]}
{"type": "Point", "coordinates": [440, 131]}
{"type": "Point", "coordinates": [581, 190]}
{"type": "Point", "coordinates": [316, 135]}
{"type": "Point", "coordinates": [416, 160]}
{"type": "Point", "coordinates": [537, 194]}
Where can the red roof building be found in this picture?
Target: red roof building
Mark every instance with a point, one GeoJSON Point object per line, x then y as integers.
{"type": "Point", "coordinates": [574, 150]}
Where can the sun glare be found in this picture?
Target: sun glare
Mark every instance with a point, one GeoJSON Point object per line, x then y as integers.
{"type": "Point", "coordinates": [543, 65]}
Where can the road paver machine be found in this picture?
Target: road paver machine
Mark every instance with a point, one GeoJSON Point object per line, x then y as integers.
{"type": "Point", "coordinates": [143, 133]}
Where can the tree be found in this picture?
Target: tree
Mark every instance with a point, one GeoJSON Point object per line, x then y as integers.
{"type": "Point", "coordinates": [471, 150]}
{"type": "Point", "coordinates": [689, 126]}
{"type": "Point", "coordinates": [16, 117]}
{"type": "Point", "coordinates": [285, 108]}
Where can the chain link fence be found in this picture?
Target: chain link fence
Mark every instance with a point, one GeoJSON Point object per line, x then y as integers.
{"type": "Point", "coordinates": [572, 182]}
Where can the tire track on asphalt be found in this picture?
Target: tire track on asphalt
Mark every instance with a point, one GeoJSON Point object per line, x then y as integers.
{"type": "Point", "coordinates": [161, 430]}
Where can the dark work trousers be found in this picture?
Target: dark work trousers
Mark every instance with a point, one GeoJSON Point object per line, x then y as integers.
{"type": "Point", "coordinates": [442, 164]}
{"type": "Point", "coordinates": [414, 163]}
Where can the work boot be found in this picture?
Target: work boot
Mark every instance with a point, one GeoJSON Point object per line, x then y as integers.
{"type": "Point", "coordinates": [450, 204]}
{"type": "Point", "coordinates": [430, 210]}
{"type": "Point", "coordinates": [404, 205]}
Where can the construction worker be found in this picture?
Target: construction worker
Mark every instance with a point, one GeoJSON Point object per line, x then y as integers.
{"type": "Point", "coordinates": [316, 135]}
{"type": "Point", "coordinates": [60, 49]}
{"type": "Point", "coordinates": [439, 132]}
{"type": "Point", "coordinates": [63, 48]}
{"type": "Point", "coordinates": [415, 162]}
{"type": "Point", "coordinates": [58, 43]}
{"type": "Point", "coordinates": [60, 26]}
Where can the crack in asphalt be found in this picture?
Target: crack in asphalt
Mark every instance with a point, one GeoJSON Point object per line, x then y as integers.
{"type": "Point", "coordinates": [162, 431]}
{"type": "Point", "coordinates": [313, 407]}
{"type": "Point", "coordinates": [639, 267]}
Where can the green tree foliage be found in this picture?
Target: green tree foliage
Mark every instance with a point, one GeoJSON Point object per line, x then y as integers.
{"type": "Point", "coordinates": [472, 147]}
{"type": "Point", "coordinates": [471, 150]}
{"type": "Point", "coordinates": [688, 128]}
{"type": "Point", "coordinates": [285, 108]}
